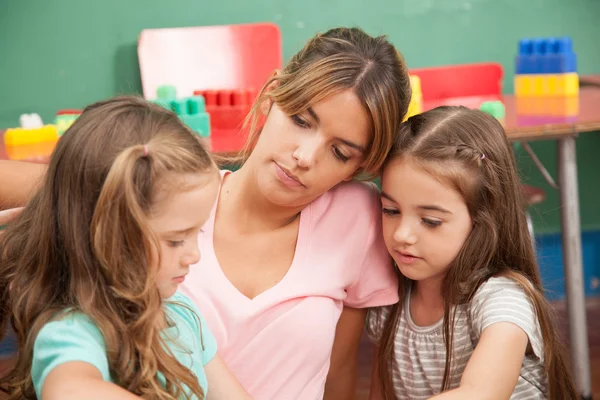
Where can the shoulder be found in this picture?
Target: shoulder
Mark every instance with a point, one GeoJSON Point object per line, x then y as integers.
{"type": "Point", "coordinates": [498, 288]}
{"type": "Point", "coordinates": [183, 307]}
{"type": "Point", "coordinates": [502, 299]}
{"type": "Point", "coordinates": [70, 324]}
{"type": "Point", "coordinates": [69, 337]}
{"type": "Point", "coordinates": [352, 198]}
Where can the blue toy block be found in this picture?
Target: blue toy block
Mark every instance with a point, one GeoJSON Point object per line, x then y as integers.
{"type": "Point", "coordinates": [546, 56]}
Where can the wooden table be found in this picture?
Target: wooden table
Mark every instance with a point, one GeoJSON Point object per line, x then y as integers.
{"type": "Point", "coordinates": [589, 80]}
{"type": "Point", "coordinates": [565, 133]}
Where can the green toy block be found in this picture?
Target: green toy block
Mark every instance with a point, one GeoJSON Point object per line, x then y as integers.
{"type": "Point", "coordinates": [495, 108]}
{"type": "Point", "coordinates": [199, 123]}
{"type": "Point", "coordinates": [163, 103]}
{"type": "Point", "coordinates": [63, 122]}
{"type": "Point", "coordinates": [166, 92]}
{"type": "Point", "coordinates": [196, 105]}
{"type": "Point", "coordinates": [190, 110]}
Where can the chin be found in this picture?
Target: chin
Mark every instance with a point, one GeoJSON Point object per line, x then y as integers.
{"type": "Point", "coordinates": [165, 294]}
{"type": "Point", "coordinates": [410, 272]}
{"type": "Point", "coordinates": [278, 195]}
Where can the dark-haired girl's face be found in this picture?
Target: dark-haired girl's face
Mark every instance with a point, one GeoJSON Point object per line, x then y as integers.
{"type": "Point", "coordinates": [425, 222]}
{"type": "Point", "coordinates": [300, 157]}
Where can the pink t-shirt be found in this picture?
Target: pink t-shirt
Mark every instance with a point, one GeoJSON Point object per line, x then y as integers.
{"type": "Point", "coordinates": [279, 344]}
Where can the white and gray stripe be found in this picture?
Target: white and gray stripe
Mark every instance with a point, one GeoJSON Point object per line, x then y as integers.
{"type": "Point", "coordinates": [420, 351]}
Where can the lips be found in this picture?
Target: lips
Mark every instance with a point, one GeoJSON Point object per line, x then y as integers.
{"type": "Point", "coordinates": [405, 258]}
{"type": "Point", "coordinates": [287, 177]}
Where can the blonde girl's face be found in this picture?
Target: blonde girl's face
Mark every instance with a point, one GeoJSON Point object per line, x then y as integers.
{"type": "Point", "coordinates": [178, 217]}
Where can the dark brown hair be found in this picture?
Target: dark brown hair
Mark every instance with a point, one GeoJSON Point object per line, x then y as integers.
{"type": "Point", "coordinates": [84, 244]}
{"type": "Point", "coordinates": [468, 150]}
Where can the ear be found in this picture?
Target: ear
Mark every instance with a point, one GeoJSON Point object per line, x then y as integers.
{"type": "Point", "coordinates": [266, 104]}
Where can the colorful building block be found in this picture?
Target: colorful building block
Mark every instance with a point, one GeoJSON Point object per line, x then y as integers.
{"type": "Point", "coordinates": [547, 85]}
{"type": "Point", "coordinates": [228, 109]}
{"type": "Point", "coordinates": [416, 101]}
{"type": "Point", "coordinates": [64, 120]}
{"type": "Point", "coordinates": [546, 56]}
{"type": "Point", "coordinates": [30, 144]}
{"type": "Point", "coordinates": [23, 136]}
{"type": "Point", "coordinates": [191, 110]}
{"type": "Point", "coordinates": [166, 92]}
{"type": "Point", "coordinates": [546, 67]}
{"type": "Point", "coordinates": [548, 106]}
{"type": "Point", "coordinates": [495, 108]}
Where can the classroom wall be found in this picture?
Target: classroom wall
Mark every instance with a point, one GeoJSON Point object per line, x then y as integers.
{"type": "Point", "coordinates": [68, 53]}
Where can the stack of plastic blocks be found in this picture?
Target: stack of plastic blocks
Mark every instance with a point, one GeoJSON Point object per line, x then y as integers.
{"type": "Point", "coordinates": [228, 110]}
{"type": "Point", "coordinates": [64, 120]}
{"type": "Point", "coordinates": [30, 143]}
{"type": "Point", "coordinates": [546, 67]}
{"type": "Point", "coordinates": [191, 110]}
{"type": "Point", "coordinates": [416, 101]}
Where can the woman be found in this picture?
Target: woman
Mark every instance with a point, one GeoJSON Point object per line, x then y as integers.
{"type": "Point", "coordinates": [292, 254]}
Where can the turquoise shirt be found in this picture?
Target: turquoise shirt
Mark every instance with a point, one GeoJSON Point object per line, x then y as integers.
{"type": "Point", "coordinates": [76, 338]}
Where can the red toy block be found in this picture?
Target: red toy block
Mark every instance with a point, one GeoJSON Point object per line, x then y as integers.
{"type": "Point", "coordinates": [228, 109]}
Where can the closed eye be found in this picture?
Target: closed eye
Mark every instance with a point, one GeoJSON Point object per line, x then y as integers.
{"type": "Point", "coordinates": [339, 155]}
{"type": "Point", "coordinates": [302, 123]}
{"type": "Point", "coordinates": [390, 211]}
{"type": "Point", "coordinates": [431, 223]}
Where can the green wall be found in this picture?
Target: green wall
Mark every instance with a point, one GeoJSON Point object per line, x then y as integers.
{"type": "Point", "coordinates": [66, 53]}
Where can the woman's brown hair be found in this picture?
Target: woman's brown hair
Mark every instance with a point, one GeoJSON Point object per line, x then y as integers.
{"type": "Point", "coordinates": [83, 243]}
{"type": "Point", "coordinates": [337, 60]}
{"type": "Point", "coordinates": [468, 150]}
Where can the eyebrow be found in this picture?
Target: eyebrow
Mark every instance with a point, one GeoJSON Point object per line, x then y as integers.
{"type": "Point", "coordinates": [427, 207]}
{"type": "Point", "coordinates": [348, 143]}
{"type": "Point", "coordinates": [180, 231]}
{"type": "Point", "coordinates": [313, 114]}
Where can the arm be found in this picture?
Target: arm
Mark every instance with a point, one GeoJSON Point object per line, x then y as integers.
{"type": "Point", "coordinates": [222, 385]}
{"type": "Point", "coordinates": [375, 392]}
{"type": "Point", "coordinates": [19, 181]}
{"type": "Point", "coordinates": [493, 369]}
{"type": "Point", "coordinates": [80, 380]}
{"type": "Point", "coordinates": [341, 380]}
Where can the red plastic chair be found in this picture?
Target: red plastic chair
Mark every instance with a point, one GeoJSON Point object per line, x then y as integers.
{"type": "Point", "coordinates": [227, 64]}
{"type": "Point", "coordinates": [465, 80]}
{"type": "Point", "coordinates": [208, 57]}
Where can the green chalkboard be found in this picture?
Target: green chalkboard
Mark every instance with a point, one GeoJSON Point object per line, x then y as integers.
{"type": "Point", "coordinates": [68, 53]}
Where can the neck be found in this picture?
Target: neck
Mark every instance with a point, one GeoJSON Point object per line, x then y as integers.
{"type": "Point", "coordinates": [252, 211]}
{"type": "Point", "coordinates": [428, 293]}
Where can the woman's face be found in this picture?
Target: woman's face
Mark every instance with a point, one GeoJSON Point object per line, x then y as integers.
{"type": "Point", "coordinates": [299, 157]}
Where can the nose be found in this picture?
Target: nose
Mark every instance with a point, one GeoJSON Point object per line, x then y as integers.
{"type": "Point", "coordinates": [307, 152]}
{"type": "Point", "coordinates": [192, 256]}
{"type": "Point", "coordinates": [405, 233]}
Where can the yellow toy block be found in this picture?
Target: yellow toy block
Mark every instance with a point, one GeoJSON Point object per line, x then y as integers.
{"type": "Point", "coordinates": [416, 101]}
{"type": "Point", "coordinates": [532, 85]}
{"type": "Point", "coordinates": [567, 85]}
{"type": "Point", "coordinates": [22, 136]}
